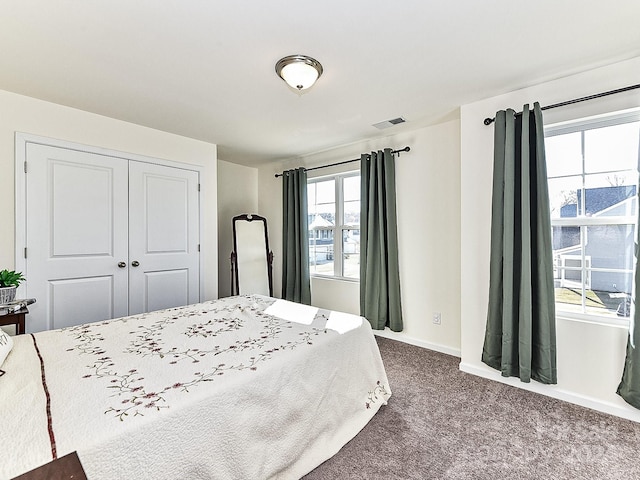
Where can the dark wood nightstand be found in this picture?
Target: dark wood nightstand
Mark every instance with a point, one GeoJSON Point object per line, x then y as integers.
{"type": "Point", "coordinates": [15, 318]}
{"type": "Point", "coordinates": [64, 468]}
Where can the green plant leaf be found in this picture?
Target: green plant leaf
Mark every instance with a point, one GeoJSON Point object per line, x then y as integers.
{"type": "Point", "coordinates": [10, 278]}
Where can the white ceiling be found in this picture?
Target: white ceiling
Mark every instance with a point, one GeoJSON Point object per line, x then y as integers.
{"type": "Point", "coordinates": [205, 68]}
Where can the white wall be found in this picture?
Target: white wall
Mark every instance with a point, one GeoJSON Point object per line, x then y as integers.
{"type": "Point", "coordinates": [237, 194]}
{"type": "Point", "coordinates": [270, 207]}
{"type": "Point", "coordinates": [428, 206]}
{"type": "Point", "coordinates": [590, 356]}
{"type": "Point", "coordinates": [29, 115]}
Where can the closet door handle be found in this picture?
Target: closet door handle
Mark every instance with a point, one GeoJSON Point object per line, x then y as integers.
{"type": "Point", "coordinates": [122, 264]}
{"type": "Point", "coordinates": [135, 263]}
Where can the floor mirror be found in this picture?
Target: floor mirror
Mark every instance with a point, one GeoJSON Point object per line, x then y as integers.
{"type": "Point", "coordinates": [251, 259]}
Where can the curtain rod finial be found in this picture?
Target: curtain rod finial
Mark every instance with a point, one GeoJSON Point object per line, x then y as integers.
{"type": "Point", "coordinates": [489, 121]}
{"type": "Point", "coordinates": [405, 149]}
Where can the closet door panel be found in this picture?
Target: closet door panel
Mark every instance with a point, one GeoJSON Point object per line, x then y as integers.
{"type": "Point", "coordinates": [173, 284]}
{"type": "Point", "coordinates": [66, 311]}
{"type": "Point", "coordinates": [77, 229]}
{"type": "Point", "coordinates": [163, 237]}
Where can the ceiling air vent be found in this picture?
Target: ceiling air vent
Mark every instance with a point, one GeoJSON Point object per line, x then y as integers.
{"type": "Point", "coordinates": [389, 123]}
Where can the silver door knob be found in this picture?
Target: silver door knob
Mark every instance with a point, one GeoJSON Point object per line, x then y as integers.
{"type": "Point", "coordinates": [122, 264]}
{"type": "Point", "coordinates": [135, 263]}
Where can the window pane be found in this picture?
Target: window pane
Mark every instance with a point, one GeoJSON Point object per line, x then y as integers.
{"type": "Point", "coordinates": [352, 265]}
{"type": "Point", "coordinates": [612, 304]}
{"type": "Point", "coordinates": [571, 297]}
{"type": "Point", "coordinates": [322, 214]}
{"type": "Point", "coordinates": [326, 191]}
{"type": "Point", "coordinates": [323, 202]}
{"type": "Point", "coordinates": [311, 195]}
{"type": "Point", "coordinates": [610, 247]}
{"type": "Point", "coordinates": [606, 272]}
{"type": "Point", "coordinates": [321, 259]}
{"type": "Point", "coordinates": [564, 154]}
{"type": "Point", "coordinates": [351, 188]}
{"type": "Point", "coordinates": [567, 256]}
{"type": "Point", "coordinates": [612, 148]}
{"type": "Point", "coordinates": [563, 197]}
{"type": "Point", "coordinates": [566, 240]}
{"type": "Point", "coordinates": [351, 253]}
{"type": "Point", "coordinates": [352, 214]}
{"type": "Point", "coordinates": [351, 194]}
{"type": "Point", "coordinates": [611, 194]}
{"type": "Point", "coordinates": [568, 290]}
{"type": "Point", "coordinates": [596, 302]}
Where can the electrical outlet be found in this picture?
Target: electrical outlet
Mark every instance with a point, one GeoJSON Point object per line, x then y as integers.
{"type": "Point", "coordinates": [437, 318]}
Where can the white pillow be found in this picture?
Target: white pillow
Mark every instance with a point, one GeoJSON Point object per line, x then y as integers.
{"type": "Point", "coordinates": [6, 344]}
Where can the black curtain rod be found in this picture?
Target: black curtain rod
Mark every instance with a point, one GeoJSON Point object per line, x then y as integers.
{"type": "Point", "coordinates": [489, 121]}
{"type": "Point", "coordinates": [405, 149]}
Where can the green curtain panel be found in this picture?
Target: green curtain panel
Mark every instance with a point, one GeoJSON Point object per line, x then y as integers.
{"type": "Point", "coordinates": [296, 284]}
{"type": "Point", "coordinates": [379, 271]}
{"type": "Point", "coordinates": [629, 387]}
{"type": "Point", "coordinates": [520, 338]}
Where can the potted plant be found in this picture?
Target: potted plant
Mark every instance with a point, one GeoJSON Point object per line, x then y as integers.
{"type": "Point", "coordinates": [9, 282]}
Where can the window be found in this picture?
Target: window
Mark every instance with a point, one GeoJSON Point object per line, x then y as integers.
{"type": "Point", "coordinates": [334, 225]}
{"type": "Point", "coordinates": [593, 180]}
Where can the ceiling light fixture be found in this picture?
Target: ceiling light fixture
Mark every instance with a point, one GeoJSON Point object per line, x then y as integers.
{"type": "Point", "coordinates": [299, 71]}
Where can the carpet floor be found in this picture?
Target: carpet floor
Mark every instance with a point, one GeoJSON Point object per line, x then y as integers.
{"type": "Point", "coordinates": [441, 423]}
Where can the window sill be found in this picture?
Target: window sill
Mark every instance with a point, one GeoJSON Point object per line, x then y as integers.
{"type": "Point", "coordinates": [334, 278]}
{"type": "Point", "coordinates": [618, 322]}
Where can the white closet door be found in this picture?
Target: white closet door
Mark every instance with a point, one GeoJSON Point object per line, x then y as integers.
{"type": "Point", "coordinates": [163, 237]}
{"type": "Point", "coordinates": [77, 222]}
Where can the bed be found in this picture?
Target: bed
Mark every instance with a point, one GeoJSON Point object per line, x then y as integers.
{"type": "Point", "coordinates": [245, 387]}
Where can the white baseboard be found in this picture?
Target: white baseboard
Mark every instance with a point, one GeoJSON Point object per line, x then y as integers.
{"type": "Point", "coordinates": [401, 337]}
{"type": "Point", "coordinates": [622, 410]}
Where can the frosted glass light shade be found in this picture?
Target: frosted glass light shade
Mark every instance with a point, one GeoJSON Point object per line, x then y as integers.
{"type": "Point", "coordinates": [299, 71]}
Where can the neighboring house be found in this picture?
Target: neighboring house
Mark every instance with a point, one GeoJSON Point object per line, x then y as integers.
{"type": "Point", "coordinates": [320, 239]}
{"type": "Point", "coordinates": [612, 201]}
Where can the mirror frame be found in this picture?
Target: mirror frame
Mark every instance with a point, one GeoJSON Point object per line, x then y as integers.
{"type": "Point", "coordinates": [235, 281]}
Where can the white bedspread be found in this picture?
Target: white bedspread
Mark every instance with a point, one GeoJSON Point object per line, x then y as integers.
{"type": "Point", "coordinates": [218, 390]}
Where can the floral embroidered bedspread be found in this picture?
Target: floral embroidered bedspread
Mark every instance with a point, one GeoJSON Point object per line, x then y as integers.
{"type": "Point", "coordinates": [219, 389]}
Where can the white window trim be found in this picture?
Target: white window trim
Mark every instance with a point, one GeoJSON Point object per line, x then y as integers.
{"type": "Point", "coordinates": [339, 227]}
{"type": "Point", "coordinates": [590, 123]}
{"type": "Point", "coordinates": [572, 126]}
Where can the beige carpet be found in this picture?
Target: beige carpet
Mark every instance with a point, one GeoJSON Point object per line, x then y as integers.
{"type": "Point", "coordinates": [442, 423]}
